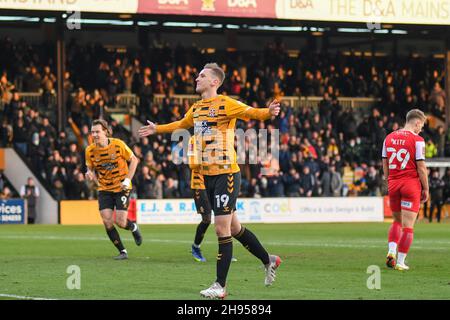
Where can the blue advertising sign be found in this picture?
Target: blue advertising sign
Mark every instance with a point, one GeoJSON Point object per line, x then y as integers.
{"type": "Point", "coordinates": [12, 211]}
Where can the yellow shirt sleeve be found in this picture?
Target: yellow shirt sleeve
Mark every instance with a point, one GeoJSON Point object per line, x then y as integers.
{"type": "Point", "coordinates": [125, 150]}
{"type": "Point", "coordinates": [186, 123]}
{"type": "Point", "coordinates": [237, 109]}
{"type": "Point", "coordinates": [88, 161]}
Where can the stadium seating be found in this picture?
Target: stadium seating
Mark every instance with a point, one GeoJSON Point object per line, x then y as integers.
{"type": "Point", "coordinates": [318, 130]}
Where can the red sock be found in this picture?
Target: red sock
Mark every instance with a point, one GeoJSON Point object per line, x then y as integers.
{"type": "Point", "coordinates": [395, 232]}
{"type": "Point", "coordinates": [406, 240]}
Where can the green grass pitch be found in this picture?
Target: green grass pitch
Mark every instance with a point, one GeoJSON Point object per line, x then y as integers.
{"type": "Point", "coordinates": [320, 261]}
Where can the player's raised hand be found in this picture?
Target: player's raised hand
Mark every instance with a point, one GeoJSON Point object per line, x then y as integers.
{"type": "Point", "coordinates": [147, 130]}
{"type": "Point", "coordinates": [274, 108]}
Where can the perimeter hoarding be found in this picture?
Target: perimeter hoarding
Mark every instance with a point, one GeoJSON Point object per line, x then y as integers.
{"type": "Point", "coordinates": [13, 211]}
{"type": "Point", "coordinates": [269, 210]}
{"type": "Point", "coordinates": [225, 8]}
{"type": "Point", "coordinates": [379, 11]}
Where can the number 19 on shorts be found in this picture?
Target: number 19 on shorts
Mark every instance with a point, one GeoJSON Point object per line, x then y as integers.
{"type": "Point", "coordinates": [222, 200]}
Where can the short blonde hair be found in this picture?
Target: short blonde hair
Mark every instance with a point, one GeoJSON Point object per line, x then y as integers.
{"type": "Point", "coordinates": [415, 114]}
{"type": "Point", "coordinates": [216, 70]}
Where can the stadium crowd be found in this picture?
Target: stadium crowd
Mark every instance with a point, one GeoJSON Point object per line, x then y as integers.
{"type": "Point", "coordinates": [324, 151]}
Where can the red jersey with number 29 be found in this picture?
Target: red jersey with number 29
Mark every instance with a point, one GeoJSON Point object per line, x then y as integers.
{"type": "Point", "coordinates": [402, 148]}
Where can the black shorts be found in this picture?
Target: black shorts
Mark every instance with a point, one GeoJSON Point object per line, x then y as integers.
{"type": "Point", "coordinates": [223, 191]}
{"type": "Point", "coordinates": [113, 200]}
{"type": "Point", "coordinates": [201, 201]}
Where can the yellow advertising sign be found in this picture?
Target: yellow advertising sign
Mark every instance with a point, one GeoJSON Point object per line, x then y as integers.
{"type": "Point", "coordinates": [80, 212]}
{"type": "Point", "coordinates": [111, 6]}
{"type": "Point", "coordinates": [369, 11]}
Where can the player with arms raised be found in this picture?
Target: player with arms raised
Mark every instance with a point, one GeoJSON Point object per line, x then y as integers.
{"type": "Point", "coordinates": [406, 173]}
{"type": "Point", "coordinates": [214, 120]}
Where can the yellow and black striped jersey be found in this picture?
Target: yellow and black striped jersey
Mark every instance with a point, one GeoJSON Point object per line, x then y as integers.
{"type": "Point", "coordinates": [214, 122]}
{"type": "Point", "coordinates": [110, 163]}
{"type": "Point", "coordinates": [197, 180]}
{"type": "Point", "coordinates": [193, 154]}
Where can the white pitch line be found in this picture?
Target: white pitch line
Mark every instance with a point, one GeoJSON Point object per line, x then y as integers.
{"type": "Point", "coordinates": [426, 244]}
{"type": "Point", "coordinates": [22, 297]}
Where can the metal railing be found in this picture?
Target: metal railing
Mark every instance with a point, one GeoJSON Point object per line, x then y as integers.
{"type": "Point", "coordinates": [177, 98]}
{"type": "Point", "coordinates": [127, 103]}
{"type": "Point", "coordinates": [124, 103]}
{"type": "Point", "coordinates": [46, 104]}
{"type": "Point", "coordinates": [293, 101]}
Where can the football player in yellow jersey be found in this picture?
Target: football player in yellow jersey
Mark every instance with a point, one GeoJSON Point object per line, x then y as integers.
{"type": "Point", "coordinates": [107, 164]}
{"type": "Point", "coordinates": [201, 201]}
{"type": "Point", "coordinates": [214, 119]}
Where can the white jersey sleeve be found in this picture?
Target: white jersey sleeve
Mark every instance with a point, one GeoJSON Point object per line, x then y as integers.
{"type": "Point", "coordinates": [384, 153]}
{"type": "Point", "coordinates": [420, 150]}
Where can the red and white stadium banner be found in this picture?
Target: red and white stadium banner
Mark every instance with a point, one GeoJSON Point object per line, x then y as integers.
{"type": "Point", "coordinates": [225, 8]}
{"type": "Point", "coordinates": [369, 11]}
{"type": "Point", "coordinates": [109, 6]}
{"type": "Point", "coordinates": [268, 210]}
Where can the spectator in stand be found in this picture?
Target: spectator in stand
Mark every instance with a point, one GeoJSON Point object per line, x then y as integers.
{"type": "Point", "coordinates": [77, 187]}
{"type": "Point", "coordinates": [307, 184]}
{"type": "Point", "coordinates": [292, 183]}
{"type": "Point", "coordinates": [145, 184]}
{"type": "Point", "coordinates": [6, 193]}
{"type": "Point", "coordinates": [20, 134]}
{"type": "Point", "coordinates": [11, 109]}
{"type": "Point", "coordinates": [437, 99]}
{"type": "Point", "coordinates": [333, 149]}
{"type": "Point", "coordinates": [170, 189]}
{"type": "Point", "coordinates": [353, 151]}
{"type": "Point", "coordinates": [32, 81]}
{"type": "Point", "coordinates": [31, 193]}
{"type": "Point", "coordinates": [373, 182]}
{"type": "Point", "coordinates": [145, 145]}
{"type": "Point", "coordinates": [440, 138]}
{"type": "Point", "coordinates": [6, 134]}
{"type": "Point", "coordinates": [49, 129]}
{"type": "Point", "coordinates": [159, 186]}
{"type": "Point", "coordinates": [48, 85]}
{"type": "Point", "coordinates": [275, 185]}
{"type": "Point", "coordinates": [331, 183]}
{"type": "Point", "coordinates": [308, 149]}
{"type": "Point", "coordinates": [437, 186]}
{"type": "Point", "coordinates": [77, 105]}
{"type": "Point", "coordinates": [6, 89]}
{"type": "Point", "coordinates": [325, 108]}
{"type": "Point", "coordinates": [84, 139]}
{"type": "Point", "coordinates": [58, 190]}
{"type": "Point", "coordinates": [378, 136]}
{"type": "Point", "coordinates": [430, 149]}
{"type": "Point", "coordinates": [68, 87]}
{"type": "Point", "coordinates": [359, 185]}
